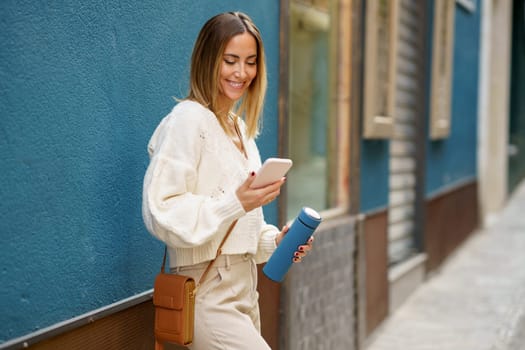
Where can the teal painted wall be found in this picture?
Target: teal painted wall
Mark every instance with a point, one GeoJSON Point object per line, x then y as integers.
{"type": "Point", "coordinates": [448, 161]}
{"type": "Point", "coordinates": [82, 87]}
{"type": "Point", "coordinates": [374, 175]}
{"type": "Point", "coordinates": [453, 159]}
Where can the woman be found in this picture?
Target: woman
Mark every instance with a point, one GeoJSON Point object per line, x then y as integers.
{"type": "Point", "coordinates": [203, 159]}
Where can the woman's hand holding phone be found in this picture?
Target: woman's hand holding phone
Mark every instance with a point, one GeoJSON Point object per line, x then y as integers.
{"type": "Point", "coordinates": [252, 198]}
{"type": "Point", "coordinates": [262, 188]}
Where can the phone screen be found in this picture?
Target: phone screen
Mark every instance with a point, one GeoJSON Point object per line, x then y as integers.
{"type": "Point", "coordinates": [271, 171]}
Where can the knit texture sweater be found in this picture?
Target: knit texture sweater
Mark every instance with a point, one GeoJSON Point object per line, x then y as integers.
{"type": "Point", "coordinates": [189, 198]}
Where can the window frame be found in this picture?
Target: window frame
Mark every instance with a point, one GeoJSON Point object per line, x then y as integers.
{"type": "Point", "coordinates": [377, 126]}
{"type": "Point", "coordinates": [442, 69]}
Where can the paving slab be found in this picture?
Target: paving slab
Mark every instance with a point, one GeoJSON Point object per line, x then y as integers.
{"type": "Point", "coordinates": [477, 298]}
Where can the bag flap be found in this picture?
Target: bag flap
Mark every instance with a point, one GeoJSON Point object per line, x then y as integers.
{"type": "Point", "coordinates": [171, 290]}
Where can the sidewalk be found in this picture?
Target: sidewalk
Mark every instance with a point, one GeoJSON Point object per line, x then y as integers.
{"type": "Point", "coordinates": [476, 301]}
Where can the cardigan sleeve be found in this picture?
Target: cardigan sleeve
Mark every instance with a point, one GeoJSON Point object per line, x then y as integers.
{"type": "Point", "coordinates": [172, 211]}
{"type": "Point", "coordinates": [266, 244]}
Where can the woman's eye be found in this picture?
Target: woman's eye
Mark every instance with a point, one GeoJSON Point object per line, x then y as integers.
{"type": "Point", "coordinates": [229, 62]}
{"type": "Point", "coordinates": [254, 63]}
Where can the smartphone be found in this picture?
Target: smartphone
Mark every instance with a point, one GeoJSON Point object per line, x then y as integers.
{"type": "Point", "coordinates": [271, 171]}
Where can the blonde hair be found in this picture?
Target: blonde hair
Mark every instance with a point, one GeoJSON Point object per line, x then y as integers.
{"type": "Point", "coordinates": [206, 63]}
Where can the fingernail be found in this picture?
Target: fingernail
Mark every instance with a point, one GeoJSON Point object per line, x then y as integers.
{"type": "Point", "coordinates": [252, 173]}
{"type": "Point", "coordinates": [296, 254]}
{"type": "Point", "coordinates": [301, 249]}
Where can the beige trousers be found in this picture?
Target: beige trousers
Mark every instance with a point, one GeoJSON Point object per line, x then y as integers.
{"type": "Point", "coordinates": [226, 306]}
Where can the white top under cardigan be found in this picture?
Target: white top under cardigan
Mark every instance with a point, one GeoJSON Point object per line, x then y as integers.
{"type": "Point", "coordinates": [189, 198]}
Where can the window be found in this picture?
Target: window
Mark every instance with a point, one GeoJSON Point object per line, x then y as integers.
{"type": "Point", "coordinates": [318, 104]}
{"type": "Point", "coordinates": [442, 49]}
{"type": "Point", "coordinates": [380, 68]}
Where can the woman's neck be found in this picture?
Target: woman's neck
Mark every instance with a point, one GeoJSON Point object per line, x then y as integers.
{"type": "Point", "coordinates": [224, 106]}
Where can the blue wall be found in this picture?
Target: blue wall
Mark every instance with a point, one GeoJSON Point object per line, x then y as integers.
{"type": "Point", "coordinates": [448, 161]}
{"type": "Point", "coordinates": [82, 87]}
{"type": "Point", "coordinates": [453, 160]}
{"type": "Point", "coordinates": [374, 175]}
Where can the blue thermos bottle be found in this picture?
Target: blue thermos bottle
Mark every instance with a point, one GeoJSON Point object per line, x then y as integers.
{"type": "Point", "coordinates": [300, 231]}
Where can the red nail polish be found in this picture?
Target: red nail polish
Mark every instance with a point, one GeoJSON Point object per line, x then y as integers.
{"type": "Point", "coordinates": [253, 173]}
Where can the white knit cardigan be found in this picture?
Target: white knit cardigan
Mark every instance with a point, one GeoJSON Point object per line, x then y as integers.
{"type": "Point", "coordinates": [189, 198]}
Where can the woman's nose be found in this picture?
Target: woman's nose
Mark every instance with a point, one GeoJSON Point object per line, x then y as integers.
{"type": "Point", "coordinates": [240, 72]}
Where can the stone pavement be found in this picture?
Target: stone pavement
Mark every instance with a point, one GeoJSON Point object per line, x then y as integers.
{"type": "Point", "coordinates": [476, 300]}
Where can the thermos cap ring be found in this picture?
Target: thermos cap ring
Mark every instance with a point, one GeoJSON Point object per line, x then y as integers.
{"type": "Point", "coordinates": [312, 213]}
{"type": "Point", "coordinates": [309, 217]}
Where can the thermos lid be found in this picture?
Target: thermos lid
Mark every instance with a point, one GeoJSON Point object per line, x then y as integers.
{"type": "Point", "coordinates": [310, 217]}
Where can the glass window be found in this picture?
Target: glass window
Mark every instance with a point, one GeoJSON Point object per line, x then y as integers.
{"type": "Point", "coordinates": [312, 120]}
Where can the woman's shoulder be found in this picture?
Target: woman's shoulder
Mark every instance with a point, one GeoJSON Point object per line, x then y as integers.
{"type": "Point", "coordinates": [186, 120]}
{"type": "Point", "coordinates": [187, 110]}
{"type": "Point", "coordinates": [187, 116]}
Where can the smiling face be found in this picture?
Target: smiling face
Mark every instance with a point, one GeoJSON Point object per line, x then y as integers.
{"type": "Point", "coordinates": [238, 69]}
{"type": "Point", "coordinates": [228, 69]}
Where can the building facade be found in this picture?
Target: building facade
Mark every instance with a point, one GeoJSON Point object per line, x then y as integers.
{"type": "Point", "coordinates": [395, 113]}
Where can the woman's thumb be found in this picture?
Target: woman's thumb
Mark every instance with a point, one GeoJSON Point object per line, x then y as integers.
{"type": "Point", "coordinates": [248, 182]}
{"type": "Point", "coordinates": [250, 179]}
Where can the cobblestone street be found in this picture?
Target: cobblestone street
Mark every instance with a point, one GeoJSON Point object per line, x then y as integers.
{"type": "Point", "coordinates": [477, 299]}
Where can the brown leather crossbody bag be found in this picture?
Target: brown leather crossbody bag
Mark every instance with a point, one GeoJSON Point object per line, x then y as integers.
{"type": "Point", "coordinates": [174, 301]}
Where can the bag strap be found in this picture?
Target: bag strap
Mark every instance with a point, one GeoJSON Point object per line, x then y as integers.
{"type": "Point", "coordinates": [219, 252]}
